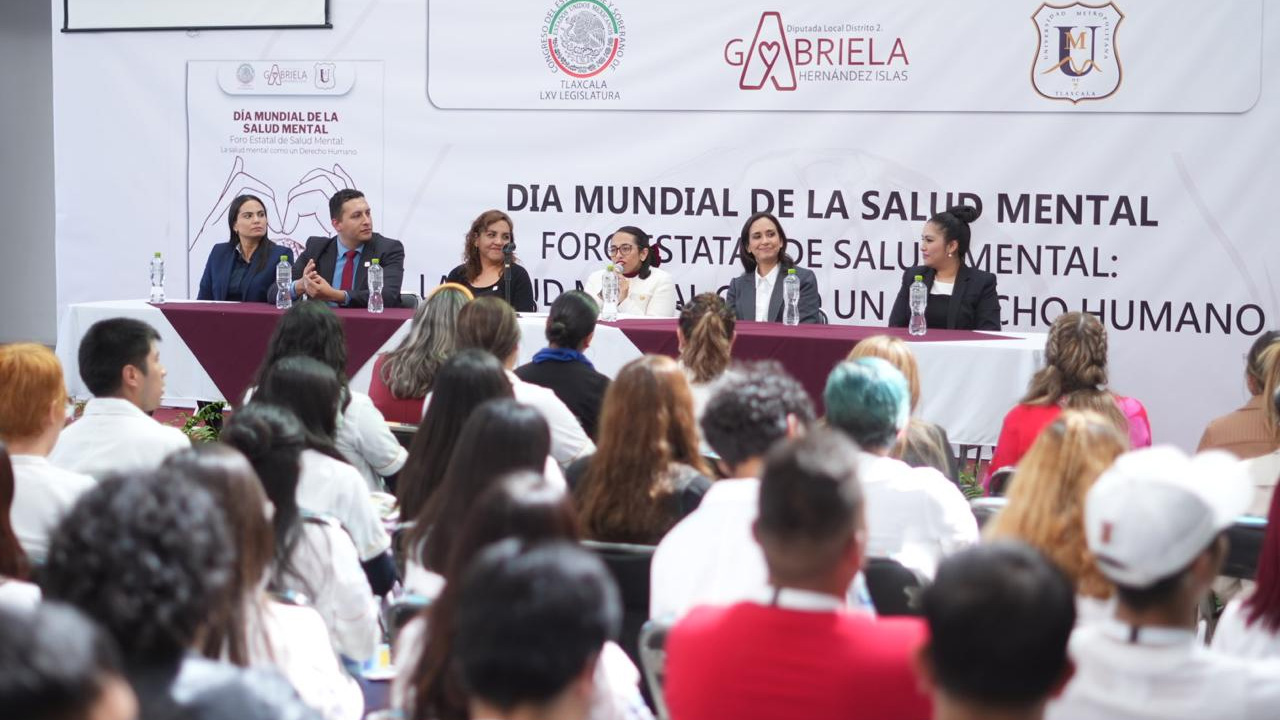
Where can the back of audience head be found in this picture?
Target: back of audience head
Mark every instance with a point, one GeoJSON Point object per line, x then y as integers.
{"type": "Point", "coordinates": [999, 616]}
{"type": "Point", "coordinates": [750, 411]}
{"type": "Point", "coordinates": [55, 664]}
{"type": "Point", "coordinates": [467, 379]}
{"type": "Point", "coordinates": [309, 329]}
{"type": "Point", "coordinates": [312, 392]}
{"type": "Point", "coordinates": [868, 400]}
{"type": "Point", "coordinates": [13, 559]}
{"type": "Point", "coordinates": [897, 353]}
{"type": "Point", "coordinates": [501, 436]}
{"type": "Point", "coordinates": [234, 486]}
{"type": "Point", "coordinates": [811, 525]}
{"type": "Point", "coordinates": [489, 323]}
{"type": "Point", "coordinates": [32, 395]}
{"type": "Point", "coordinates": [410, 370]}
{"type": "Point", "coordinates": [1075, 371]}
{"type": "Point", "coordinates": [119, 357]}
{"type": "Point", "coordinates": [531, 625]}
{"type": "Point", "coordinates": [148, 557]}
{"type": "Point", "coordinates": [572, 320]}
{"type": "Point", "coordinates": [706, 328]}
{"type": "Point", "coordinates": [1255, 370]}
{"type": "Point", "coordinates": [1269, 359]}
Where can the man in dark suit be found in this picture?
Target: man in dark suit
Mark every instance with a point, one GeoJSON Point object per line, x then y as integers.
{"type": "Point", "coordinates": [336, 269]}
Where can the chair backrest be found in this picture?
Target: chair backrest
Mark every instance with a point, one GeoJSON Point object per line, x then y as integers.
{"type": "Point", "coordinates": [400, 611]}
{"type": "Point", "coordinates": [1001, 479]}
{"type": "Point", "coordinates": [653, 661]}
{"type": "Point", "coordinates": [404, 433]}
{"type": "Point", "coordinates": [894, 588]}
{"type": "Point", "coordinates": [822, 317]}
{"type": "Point", "coordinates": [986, 508]}
{"type": "Point", "coordinates": [629, 565]}
{"type": "Point", "coordinates": [1245, 539]}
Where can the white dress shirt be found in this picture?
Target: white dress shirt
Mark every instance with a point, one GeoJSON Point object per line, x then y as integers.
{"type": "Point", "coordinates": [1163, 673]}
{"type": "Point", "coordinates": [764, 292]}
{"type": "Point", "coordinates": [568, 441]}
{"type": "Point", "coordinates": [114, 435]}
{"type": "Point", "coordinates": [367, 443]}
{"type": "Point", "coordinates": [18, 596]}
{"type": "Point", "coordinates": [42, 494]}
{"type": "Point", "coordinates": [1233, 636]}
{"type": "Point", "coordinates": [654, 296]}
{"type": "Point", "coordinates": [332, 487]}
{"type": "Point", "coordinates": [337, 588]}
{"type": "Point", "coordinates": [914, 515]}
{"type": "Point", "coordinates": [294, 640]}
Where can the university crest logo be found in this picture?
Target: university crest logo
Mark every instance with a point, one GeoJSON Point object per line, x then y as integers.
{"type": "Point", "coordinates": [1077, 57]}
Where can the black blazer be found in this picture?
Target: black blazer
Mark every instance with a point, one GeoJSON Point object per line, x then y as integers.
{"type": "Point", "coordinates": [521, 286]}
{"type": "Point", "coordinates": [258, 284]}
{"type": "Point", "coordinates": [390, 253]}
{"type": "Point", "coordinates": [974, 302]}
{"type": "Point", "coordinates": [742, 296]}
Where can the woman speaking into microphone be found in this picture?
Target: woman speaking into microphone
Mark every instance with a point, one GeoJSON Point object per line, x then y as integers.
{"type": "Point", "coordinates": [643, 288]}
{"type": "Point", "coordinates": [960, 297]}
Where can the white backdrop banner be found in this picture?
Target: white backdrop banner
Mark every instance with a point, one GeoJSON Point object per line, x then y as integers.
{"type": "Point", "coordinates": [1147, 203]}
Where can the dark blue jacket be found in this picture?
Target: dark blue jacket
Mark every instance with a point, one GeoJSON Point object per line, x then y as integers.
{"type": "Point", "coordinates": [259, 280]}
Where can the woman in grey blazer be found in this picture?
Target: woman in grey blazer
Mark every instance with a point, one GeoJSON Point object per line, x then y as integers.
{"type": "Point", "coordinates": [762, 247]}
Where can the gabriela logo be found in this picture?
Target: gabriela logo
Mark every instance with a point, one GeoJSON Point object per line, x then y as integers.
{"type": "Point", "coordinates": [782, 56]}
{"type": "Point", "coordinates": [1076, 59]}
{"type": "Point", "coordinates": [582, 38]}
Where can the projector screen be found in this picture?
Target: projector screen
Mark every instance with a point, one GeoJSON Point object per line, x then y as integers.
{"type": "Point", "coordinates": [97, 16]}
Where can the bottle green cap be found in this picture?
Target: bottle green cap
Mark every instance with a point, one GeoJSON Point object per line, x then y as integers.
{"type": "Point", "coordinates": [919, 278]}
{"type": "Point", "coordinates": [610, 267]}
{"type": "Point", "coordinates": [284, 258]}
{"type": "Point", "coordinates": [157, 254]}
{"type": "Point", "coordinates": [791, 271]}
{"type": "Point", "coordinates": [376, 261]}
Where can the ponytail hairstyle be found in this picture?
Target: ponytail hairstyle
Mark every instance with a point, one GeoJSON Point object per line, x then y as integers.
{"type": "Point", "coordinates": [954, 224]}
{"type": "Point", "coordinates": [744, 240]}
{"type": "Point", "coordinates": [572, 320]}
{"type": "Point", "coordinates": [1255, 370]}
{"type": "Point", "coordinates": [1270, 360]}
{"type": "Point", "coordinates": [1075, 371]}
{"type": "Point", "coordinates": [706, 323]}
{"type": "Point", "coordinates": [642, 243]}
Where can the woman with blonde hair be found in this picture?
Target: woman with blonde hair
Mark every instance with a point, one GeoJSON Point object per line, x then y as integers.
{"type": "Point", "coordinates": [1074, 377]}
{"type": "Point", "coordinates": [485, 250]}
{"type": "Point", "coordinates": [1046, 501]}
{"type": "Point", "coordinates": [705, 335]}
{"type": "Point", "coordinates": [647, 472]}
{"type": "Point", "coordinates": [403, 377]}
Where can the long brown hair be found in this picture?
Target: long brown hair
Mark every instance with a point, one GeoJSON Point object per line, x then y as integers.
{"type": "Point", "coordinates": [1075, 371]}
{"type": "Point", "coordinates": [646, 426]}
{"type": "Point", "coordinates": [13, 559]}
{"type": "Point", "coordinates": [894, 351]}
{"type": "Point", "coordinates": [490, 324]}
{"type": "Point", "coordinates": [471, 253]}
{"type": "Point", "coordinates": [1046, 501]}
{"type": "Point", "coordinates": [706, 323]}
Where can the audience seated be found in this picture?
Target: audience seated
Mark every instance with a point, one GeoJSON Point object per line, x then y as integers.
{"type": "Point", "coordinates": [32, 412]}
{"type": "Point", "coordinates": [467, 378]}
{"type": "Point", "coordinates": [796, 652]}
{"type": "Point", "coordinates": [1046, 503]}
{"type": "Point", "coordinates": [15, 591]}
{"type": "Point", "coordinates": [647, 472]}
{"type": "Point", "coordinates": [705, 336]}
{"type": "Point", "coordinates": [147, 556]}
{"type": "Point", "coordinates": [57, 665]}
{"type": "Point", "coordinates": [524, 507]}
{"type": "Point", "coordinates": [500, 437]}
{"type": "Point", "coordinates": [403, 377]}
{"type": "Point", "coordinates": [914, 515]}
{"type": "Point", "coordinates": [1000, 617]}
{"type": "Point", "coordinates": [361, 435]}
{"type": "Point", "coordinates": [250, 629]}
{"type": "Point", "coordinates": [311, 555]}
{"type": "Point", "coordinates": [120, 364]}
{"type": "Point", "coordinates": [1075, 377]}
{"type": "Point", "coordinates": [489, 323]}
{"type": "Point", "coordinates": [1247, 431]}
{"type": "Point", "coordinates": [1155, 523]}
{"type": "Point", "coordinates": [924, 444]}
{"type": "Point", "coordinates": [1265, 469]}
{"type": "Point", "coordinates": [562, 367]}
{"type": "Point", "coordinates": [1250, 626]}
{"type": "Point", "coordinates": [710, 557]}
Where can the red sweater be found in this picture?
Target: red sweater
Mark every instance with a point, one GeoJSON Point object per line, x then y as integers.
{"type": "Point", "coordinates": [756, 662]}
{"type": "Point", "coordinates": [393, 408]}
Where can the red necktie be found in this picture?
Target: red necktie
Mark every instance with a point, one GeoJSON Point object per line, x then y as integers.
{"type": "Point", "coordinates": [348, 271]}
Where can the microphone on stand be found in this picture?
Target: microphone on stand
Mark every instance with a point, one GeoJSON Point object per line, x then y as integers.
{"type": "Point", "coordinates": [508, 251]}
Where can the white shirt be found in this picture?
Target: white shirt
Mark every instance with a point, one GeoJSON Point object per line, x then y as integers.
{"type": "Point", "coordinates": [332, 487]}
{"type": "Point", "coordinates": [654, 296]}
{"type": "Point", "coordinates": [1234, 637]}
{"type": "Point", "coordinates": [42, 494]}
{"type": "Point", "coordinates": [337, 588]}
{"type": "Point", "coordinates": [1263, 470]}
{"type": "Point", "coordinates": [710, 557]}
{"type": "Point", "coordinates": [367, 443]}
{"type": "Point", "coordinates": [294, 640]}
{"type": "Point", "coordinates": [18, 596]}
{"type": "Point", "coordinates": [914, 515]}
{"type": "Point", "coordinates": [568, 441]}
{"type": "Point", "coordinates": [114, 435]}
{"type": "Point", "coordinates": [942, 288]}
{"type": "Point", "coordinates": [764, 292]}
{"type": "Point", "coordinates": [1166, 674]}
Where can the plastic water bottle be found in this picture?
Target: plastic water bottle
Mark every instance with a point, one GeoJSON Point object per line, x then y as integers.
{"type": "Point", "coordinates": [791, 298]}
{"type": "Point", "coordinates": [919, 295]}
{"type": "Point", "coordinates": [609, 291]}
{"type": "Point", "coordinates": [284, 281]}
{"type": "Point", "coordinates": [375, 286]}
{"type": "Point", "coordinates": [157, 279]}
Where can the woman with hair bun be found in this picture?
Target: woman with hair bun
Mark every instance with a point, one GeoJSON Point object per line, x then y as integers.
{"type": "Point", "coordinates": [960, 297]}
{"type": "Point", "coordinates": [562, 367]}
{"type": "Point", "coordinates": [644, 289]}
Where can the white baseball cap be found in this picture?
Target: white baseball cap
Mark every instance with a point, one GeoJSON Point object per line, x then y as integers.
{"type": "Point", "coordinates": [1154, 510]}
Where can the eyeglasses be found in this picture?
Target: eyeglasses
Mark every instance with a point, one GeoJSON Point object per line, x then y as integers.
{"type": "Point", "coordinates": [620, 250]}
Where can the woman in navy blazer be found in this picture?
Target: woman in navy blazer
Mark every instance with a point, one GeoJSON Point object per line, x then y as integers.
{"type": "Point", "coordinates": [244, 267]}
{"type": "Point", "coordinates": [960, 297]}
{"type": "Point", "coordinates": [762, 247]}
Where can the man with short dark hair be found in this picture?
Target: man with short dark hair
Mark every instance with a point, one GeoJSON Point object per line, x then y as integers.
{"type": "Point", "coordinates": [710, 557]}
{"type": "Point", "coordinates": [1156, 523]}
{"type": "Point", "coordinates": [530, 627]}
{"type": "Point", "coordinates": [120, 364]}
{"type": "Point", "coordinates": [336, 269]}
{"type": "Point", "coordinates": [796, 651]}
{"type": "Point", "coordinates": [1000, 616]}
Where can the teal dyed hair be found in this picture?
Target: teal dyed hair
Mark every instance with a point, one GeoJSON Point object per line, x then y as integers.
{"type": "Point", "coordinates": [869, 400]}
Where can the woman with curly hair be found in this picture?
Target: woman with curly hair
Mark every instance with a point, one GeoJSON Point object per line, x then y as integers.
{"type": "Point", "coordinates": [705, 336]}
{"type": "Point", "coordinates": [403, 377]}
{"type": "Point", "coordinates": [483, 262]}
